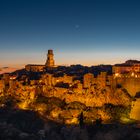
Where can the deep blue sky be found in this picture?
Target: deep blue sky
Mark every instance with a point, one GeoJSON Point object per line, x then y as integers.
{"type": "Point", "coordinates": [80, 31]}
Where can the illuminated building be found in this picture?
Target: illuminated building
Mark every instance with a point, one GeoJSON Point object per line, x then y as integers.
{"type": "Point", "coordinates": [50, 59]}
{"type": "Point", "coordinates": [127, 67]}
{"type": "Point", "coordinates": [40, 68]}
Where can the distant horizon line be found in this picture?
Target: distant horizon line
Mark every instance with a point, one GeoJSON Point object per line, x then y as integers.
{"type": "Point", "coordinates": [20, 66]}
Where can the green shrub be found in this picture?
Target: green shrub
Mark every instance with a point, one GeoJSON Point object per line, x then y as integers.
{"type": "Point", "coordinates": [76, 105]}
{"type": "Point", "coordinates": [117, 111]}
{"type": "Point", "coordinates": [51, 101]}
{"type": "Point", "coordinates": [8, 101]}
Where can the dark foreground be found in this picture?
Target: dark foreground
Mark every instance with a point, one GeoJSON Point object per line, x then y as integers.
{"type": "Point", "coordinates": [27, 125]}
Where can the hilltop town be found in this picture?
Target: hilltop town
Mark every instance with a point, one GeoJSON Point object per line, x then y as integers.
{"type": "Point", "coordinates": [77, 88]}
{"type": "Point", "coordinates": [70, 102]}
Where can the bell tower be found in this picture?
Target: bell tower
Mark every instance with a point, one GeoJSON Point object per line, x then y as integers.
{"type": "Point", "coordinates": [50, 59]}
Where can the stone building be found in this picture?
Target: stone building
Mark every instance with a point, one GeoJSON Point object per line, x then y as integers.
{"type": "Point", "coordinates": [130, 83]}
{"type": "Point", "coordinates": [135, 111]}
{"type": "Point", "coordinates": [2, 86]}
{"type": "Point", "coordinates": [34, 68]}
{"type": "Point", "coordinates": [40, 68]}
{"type": "Point", "coordinates": [101, 79]}
{"type": "Point", "coordinates": [50, 59]}
{"type": "Point", "coordinates": [64, 79]}
{"type": "Point", "coordinates": [127, 67]}
{"type": "Point", "coordinates": [88, 80]}
{"type": "Point", "coordinates": [47, 79]}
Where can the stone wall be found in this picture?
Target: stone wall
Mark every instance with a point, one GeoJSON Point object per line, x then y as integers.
{"type": "Point", "coordinates": [2, 86]}
{"type": "Point", "coordinates": [131, 84]}
{"type": "Point", "coordinates": [135, 111]}
{"type": "Point", "coordinates": [34, 68]}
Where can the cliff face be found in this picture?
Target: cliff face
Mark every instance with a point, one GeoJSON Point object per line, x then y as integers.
{"type": "Point", "coordinates": [130, 83]}
{"type": "Point", "coordinates": [94, 92]}
{"type": "Point", "coordinates": [94, 99]}
{"type": "Point", "coordinates": [66, 104]}
{"type": "Point", "coordinates": [64, 98]}
{"type": "Point", "coordinates": [135, 111]}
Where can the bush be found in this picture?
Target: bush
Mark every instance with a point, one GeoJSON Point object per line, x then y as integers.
{"type": "Point", "coordinates": [51, 101]}
{"type": "Point", "coordinates": [56, 101]}
{"type": "Point", "coordinates": [117, 111]}
{"type": "Point", "coordinates": [8, 101]}
{"type": "Point", "coordinates": [41, 99]}
{"type": "Point", "coordinates": [76, 105]}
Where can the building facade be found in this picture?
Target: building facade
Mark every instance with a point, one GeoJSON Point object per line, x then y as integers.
{"type": "Point", "coordinates": [128, 67]}
{"type": "Point", "coordinates": [40, 68]}
{"type": "Point", "coordinates": [50, 59]}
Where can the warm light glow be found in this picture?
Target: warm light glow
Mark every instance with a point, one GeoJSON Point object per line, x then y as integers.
{"type": "Point", "coordinates": [132, 74]}
{"type": "Point", "coordinates": [13, 77]}
{"type": "Point", "coordinates": [117, 75]}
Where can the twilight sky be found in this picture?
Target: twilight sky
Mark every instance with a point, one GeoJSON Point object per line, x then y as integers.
{"type": "Point", "coordinates": [87, 32]}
